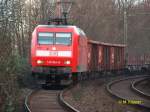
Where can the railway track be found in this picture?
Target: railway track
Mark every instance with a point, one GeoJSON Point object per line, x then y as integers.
{"type": "Point", "coordinates": [52, 100]}
{"type": "Point", "coordinates": [123, 90]}
{"type": "Point", "coordinates": [47, 101]}
{"type": "Point", "coordinates": [44, 101]}
{"type": "Point", "coordinates": [137, 90]}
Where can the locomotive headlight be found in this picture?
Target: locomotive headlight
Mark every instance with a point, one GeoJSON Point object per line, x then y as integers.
{"type": "Point", "coordinates": [67, 62]}
{"type": "Point", "coordinates": [40, 62]}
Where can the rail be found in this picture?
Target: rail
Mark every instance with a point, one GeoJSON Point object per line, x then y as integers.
{"type": "Point", "coordinates": [133, 85]}
{"type": "Point", "coordinates": [66, 106]}
{"type": "Point", "coordinates": [109, 85]}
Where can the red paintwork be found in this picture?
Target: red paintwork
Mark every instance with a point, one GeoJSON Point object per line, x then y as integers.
{"type": "Point", "coordinates": [112, 64]}
{"type": "Point", "coordinates": [77, 48]}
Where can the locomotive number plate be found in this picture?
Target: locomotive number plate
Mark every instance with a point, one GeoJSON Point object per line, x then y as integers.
{"type": "Point", "coordinates": [53, 53]}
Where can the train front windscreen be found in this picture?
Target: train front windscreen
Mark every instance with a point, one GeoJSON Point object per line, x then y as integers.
{"type": "Point", "coordinates": [49, 38]}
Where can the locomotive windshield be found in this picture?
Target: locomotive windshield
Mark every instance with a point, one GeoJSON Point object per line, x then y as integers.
{"type": "Point", "coordinates": [45, 38]}
{"type": "Point", "coordinates": [54, 38]}
{"type": "Point", "coordinates": [63, 38]}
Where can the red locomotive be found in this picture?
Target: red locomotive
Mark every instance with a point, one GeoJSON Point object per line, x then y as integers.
{"type": "Point", "coordinates": [62, 51]}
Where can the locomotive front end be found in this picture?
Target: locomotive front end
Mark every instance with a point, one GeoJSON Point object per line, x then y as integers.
{"type": "Point", "coordinates": [52, 51]}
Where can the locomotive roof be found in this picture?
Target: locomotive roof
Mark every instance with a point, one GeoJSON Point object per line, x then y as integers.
{"type": "Point", "coordinates": [107, 44]}
{"type": "Point", "coordinates": [77, 29]}
{"type": "Point", "coordinates": [57, 26]}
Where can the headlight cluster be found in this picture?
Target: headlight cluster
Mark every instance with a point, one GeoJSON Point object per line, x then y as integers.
{"type": "Point", "coordinates": [67, 62]}
{"type": "Point", "coordinates": [40, 62]}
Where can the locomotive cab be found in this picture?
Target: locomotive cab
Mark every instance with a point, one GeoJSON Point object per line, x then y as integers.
{"type": "Point", "coordinates": [54, 51]}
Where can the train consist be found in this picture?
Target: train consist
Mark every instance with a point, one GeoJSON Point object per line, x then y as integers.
{"type": "Point", "coordinates": [64, 52]}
